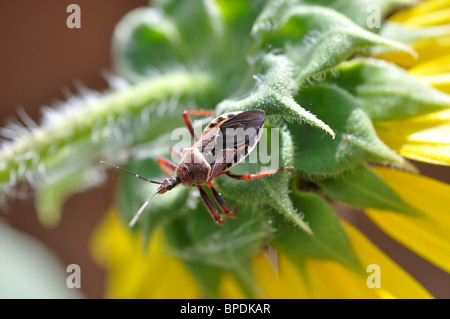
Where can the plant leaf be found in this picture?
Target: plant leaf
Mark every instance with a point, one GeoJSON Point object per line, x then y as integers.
{"type": "Point", "coordinates": [356, 141]}
{"type": "Point", "coordinates": [363, 188]}
{"type": "Point", "coordinates": [387, 92]}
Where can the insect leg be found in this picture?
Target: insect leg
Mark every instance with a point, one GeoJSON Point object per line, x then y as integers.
{"type": "Point", "coordinates": [168, 167]}
{"type": "Point", "coordinates": [209, 204]}
{"type": "Point", "coordinates": [195, 112]}
{"type": "Point", "coordinates": [221, 202]}
{"type": "Point", "coordinates": [253, 176]}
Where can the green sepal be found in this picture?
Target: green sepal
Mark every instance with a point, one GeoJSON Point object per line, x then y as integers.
{"type": "Point", "coordinates": [133, 192]}
{"type": "Point", "coordinates": [329, 241]}
{"type": "Point", "coordinates": [317, 38]}
{"type": "Point", "coordinates": [388, 92]}
{"type": "Point", "coordinates": [232, 245]}
{"type": "Point", "coordinates": [356, 141]}
{"type": "Point", "coordinates": [200, 24]}
{"type": "Point", "coordinates": [145, 39]}
{"type": "Point", "coordinates": [363, 188]}
{"type": "Point", "coordinates": [270, 190]}
{"type": "Point", "coordinates": [408, 35]}
{"type": "Point", "coordinates": [178, 239]}
{"type": "Point", "coordinates": [364, 12]}
{"type": "Point", "coordinates": [53, 192]}
{"type": "Point", "coordinates": [239, 16]}
{"type": "Point", "coordinates": [273, 94]}
{"type": "Point", "coordinates": [229, 247]}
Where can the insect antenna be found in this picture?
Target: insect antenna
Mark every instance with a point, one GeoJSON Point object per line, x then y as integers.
{"type": "Point", "coordinates": [131, 173]}
{"type": "Point", "coordinates": [139, 212]}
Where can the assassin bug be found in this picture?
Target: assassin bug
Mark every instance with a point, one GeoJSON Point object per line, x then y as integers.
{"type": "Point", "coordinates": [225, 142]}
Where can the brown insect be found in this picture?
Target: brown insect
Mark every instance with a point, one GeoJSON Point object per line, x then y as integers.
{"type": "Point", "coordinates": [225, 142]}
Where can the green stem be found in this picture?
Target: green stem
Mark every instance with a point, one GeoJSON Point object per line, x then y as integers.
{"type": "Point", "coordinates": [30, 149]}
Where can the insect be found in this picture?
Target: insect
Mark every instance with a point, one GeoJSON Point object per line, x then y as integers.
{"type": "Point", "coordinates": [225, 142]}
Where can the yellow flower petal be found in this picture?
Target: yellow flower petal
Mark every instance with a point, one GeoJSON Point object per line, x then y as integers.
{"type": "Point", "coordinates": [395, 282]}
{"type": "Point", "coordinates": [425, 13]}
{"type": "Point", "coordinates": [329, 279]}
{"type": "Point", "coordinates": [429, 238]}
{"type": "Point", "coordinates": [438, 66]}
{"type": "Point", "coordinates": [426, 49]}
{"type": "Point", "coordinates": [440, 82]}
{"type": "Point", "coordinates": [229, 288]}
{"type": "Point", "coordinates": [287, 285]}
{"type": "Point", "coordinates": [435, 72]}
{"type": "Point", "coordinates": [423, 138]}
{"type": "Point", "coordinates": [135, 274]}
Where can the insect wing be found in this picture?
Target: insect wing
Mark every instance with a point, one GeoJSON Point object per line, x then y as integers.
{"type": "Point", "coordinates": [235, 136]}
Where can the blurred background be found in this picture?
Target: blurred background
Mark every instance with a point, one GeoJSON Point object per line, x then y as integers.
{"type": "Point", "coordinates": [41, 60]}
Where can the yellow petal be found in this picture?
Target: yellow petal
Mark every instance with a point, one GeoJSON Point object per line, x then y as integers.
{"type": "Point", "coordinates": [394, 281]}
{"type": "Point", "coordinates": [425, 13]}
{"type": "Point", "coordinates": [435, 72]}
{"type": "Point", "coordinates": [287, 285]}
{"type": "Point", "coordinates": [429, 238]}
{"type": "Point", "coordinates": [426, 49]}
{"type": "Point", "coordinates": [131, 273]}
{"type": "Point", "coordinates": [423, 138]}
{"type": "Point", "coordinates": [438, 66]}
{"type": "Point", "coordinates": [440, 82]}
{"type": "Point", "coordinates": [329, 279]}
{"type": "Point", "coordinates": [229, 288]}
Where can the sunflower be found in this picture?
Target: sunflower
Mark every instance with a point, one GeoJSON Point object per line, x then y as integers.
{"type": "Point", "coordinates": [159, 272]}
{"type": "Point", "coordinates": [351, 90]}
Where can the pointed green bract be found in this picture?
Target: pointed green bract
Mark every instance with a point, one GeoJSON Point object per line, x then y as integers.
{"type": "Point", "coordinates": [408, 35]}
{"type": "Point", "coordinates": [141, 31]}
{"type": "Point", "coordinates": [356, 141]}
{"type": "Point", "coordinates": [196, 239]}
{"type": "Point", "coordinates": [178, 239]}
{"type": "Point", "coordinates": [365, 13]}
{"type": "Point", "coordinates": [199, 22]}
{"type": "Point", "coordinates": [51, 194]}
{"type": "Point", "coordinates": [329, 241]}
{"type": "Point", "coordinates": [273, 94]}
{"type": "Point", "coordinates": [317, 38]}
{"type": "Point", "coordinates": [388, 92]}
{"type": "Point", "coordinates": [363, 188]}
{"type": "Point", "coordinates": [269, 190]}
{"type": "Point", "coordinates": [133, 192]}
